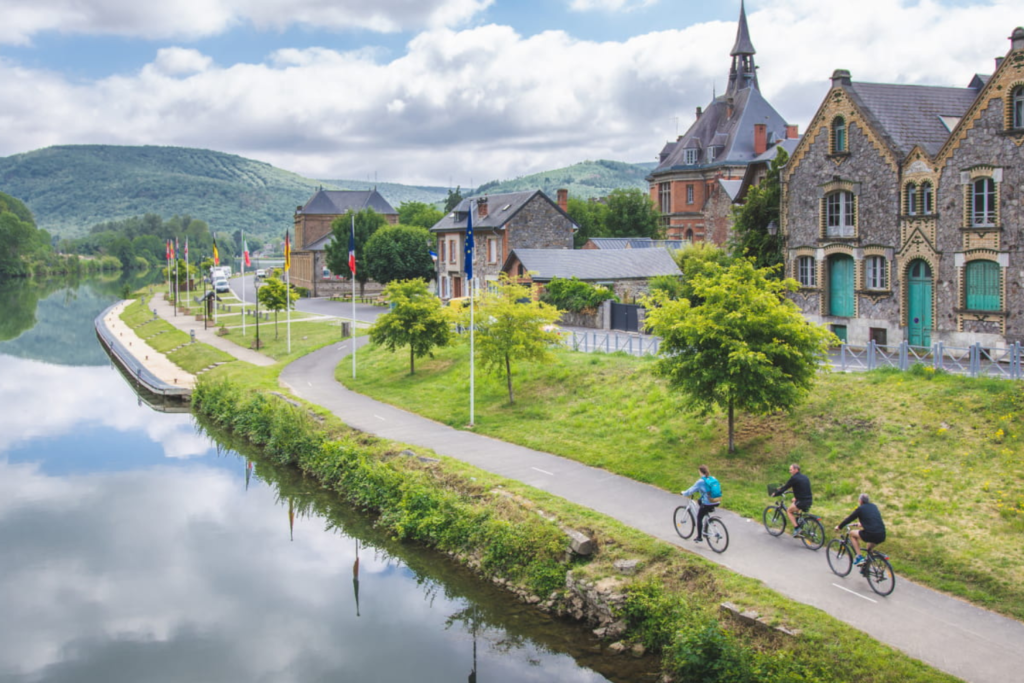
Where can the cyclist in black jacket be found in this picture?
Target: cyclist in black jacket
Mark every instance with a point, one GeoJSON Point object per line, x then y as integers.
{"type": "Point", "coordinates": [802, 498]}
{"type": "Point", "coordinates": [872, 528]}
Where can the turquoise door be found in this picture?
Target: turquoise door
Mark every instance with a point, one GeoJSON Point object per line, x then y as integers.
{"type": "Point", "coordinates": [919, 304]}
{"type": "Point", "coordinates": [840, 286]}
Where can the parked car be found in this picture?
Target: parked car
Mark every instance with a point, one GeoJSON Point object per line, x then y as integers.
{"type": "Point", "coordinates": [221, 285]}
{"type": "Point", "coordinates": [261, 273]}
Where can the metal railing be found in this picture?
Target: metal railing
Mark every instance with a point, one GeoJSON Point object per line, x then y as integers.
{"type": "Point", "coordinates": [974, 361]}
{"type": "Point", "coordinates": [607, 341]}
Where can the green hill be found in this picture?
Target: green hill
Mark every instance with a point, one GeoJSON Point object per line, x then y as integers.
{"type": "Point", "coordinates": [583, 180]}
{"type": "Point", "coordinates": [71, 188]}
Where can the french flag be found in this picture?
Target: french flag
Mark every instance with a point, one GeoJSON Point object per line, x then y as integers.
{"type": "Point", "coordinates": [352, 248]}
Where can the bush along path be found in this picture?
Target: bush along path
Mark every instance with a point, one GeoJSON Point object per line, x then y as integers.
{"type": "Point", "coordinates": [969, 642]}
{"type": "Point", "coordinates": [639, 593]}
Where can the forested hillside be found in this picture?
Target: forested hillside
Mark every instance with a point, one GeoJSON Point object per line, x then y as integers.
{"type": "Point", "coordinates": [584, 180]}
{"type": "Point", "coordinates": [72, 188]}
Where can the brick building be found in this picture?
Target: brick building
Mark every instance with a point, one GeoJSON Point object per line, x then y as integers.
{"type": "Point", "coordinates": [901, 213]}
{"type": "Point", "coordinates": [699, 175]}
{"type": "Point", "coordinates": [313, 232]}
{"type": "Point", "coordinates": [501, 223]}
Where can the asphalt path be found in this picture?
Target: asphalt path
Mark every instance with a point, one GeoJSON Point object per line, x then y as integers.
{"type": "Point", "coordinates": [339, 309]}
{"type": "Point", "coordinates": [948, 634]}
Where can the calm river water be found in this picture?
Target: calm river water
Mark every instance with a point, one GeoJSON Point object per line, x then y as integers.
{"type": "Point", "coordinates": [136, 548]}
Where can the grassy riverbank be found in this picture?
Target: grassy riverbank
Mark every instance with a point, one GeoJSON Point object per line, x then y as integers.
{"type": "Point", "coordinates": [164, 338]}
{"type": "Point", "coordinates": [941, 454]}
{"type": "Point", "coordinates": [492, 524]}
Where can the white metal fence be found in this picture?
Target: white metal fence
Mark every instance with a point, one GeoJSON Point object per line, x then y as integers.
{"type": "Point", "coordinates": [975, 360]}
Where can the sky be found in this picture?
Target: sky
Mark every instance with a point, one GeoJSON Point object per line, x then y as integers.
{"type": "Point", "coordinates": [448, 92]}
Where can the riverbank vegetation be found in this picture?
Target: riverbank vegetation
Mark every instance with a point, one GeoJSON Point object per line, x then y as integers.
{"type": "Point", "coordinates": [670, 606]}
{"type": "Point", "coordinates": [942, 454]}
{"type": "Point", "coordinates": [164, 338]}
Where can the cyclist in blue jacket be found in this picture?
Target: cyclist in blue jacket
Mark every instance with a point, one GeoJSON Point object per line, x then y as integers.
{"type": "Point", "coordinates": [706, 504]}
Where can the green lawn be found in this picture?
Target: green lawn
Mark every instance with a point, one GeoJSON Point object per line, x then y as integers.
{"type": "Point", "coordinates": [163, 337]}
{"type": "Point", "coordinates": [940, 454]}
{"type": "Point", "coordinates": [306, 337]}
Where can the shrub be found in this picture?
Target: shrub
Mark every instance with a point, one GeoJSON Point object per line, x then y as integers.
{"type": "Point", "coordinates": [652, 615]}
{"type": "Point", "coordinates": [576, 296]}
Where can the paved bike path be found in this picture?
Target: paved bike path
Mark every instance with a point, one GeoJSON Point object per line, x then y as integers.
{"type": "Point", "coordinates": [947, 633]}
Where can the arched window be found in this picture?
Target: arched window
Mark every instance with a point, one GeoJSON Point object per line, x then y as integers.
{"type": "Point", "coordinates": [983, 286]}
{"type": "Point", "coordinates": [927, 198]}
{"type": "Point", "coordinates": [838, 135]}
{"type": "Point", "coordinates": [983, 202]}
{"type": "Point", "coordinates": [1017, 110]}
{"type": "Point", "coordinates": [912, 199]}
{"type": "Point", "coordinates": [839, 214]}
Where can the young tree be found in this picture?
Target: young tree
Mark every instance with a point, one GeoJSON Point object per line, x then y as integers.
{"type": "Point", "coordinates": [513, 327]}
{"type": "Point", "coordinates": [590, 217]}
{"type": "Point", "coordinates": [416, 320]}
{"type": "Point", "coordinates": [631, 213]}
{"type": "Point", "coordinates": [399, 252]}
{"type": "Point", "coordinates": [694, 259]}
{"type": "Point", "coordinates": [419, 214]}
{"type": "Point", "coordinates": [454, 197]}
{"type": "Point", "coordinates": [746, 346]}
{"type": "Point", "coordinates": [750, 236]}
{"type": "Point", "coordinates": [273, 294]}
{"type": "Point", "coordinates": [368, 222]}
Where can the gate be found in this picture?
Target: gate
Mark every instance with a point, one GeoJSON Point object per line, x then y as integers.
{"type": "Point", "coordinates": [625, 317]}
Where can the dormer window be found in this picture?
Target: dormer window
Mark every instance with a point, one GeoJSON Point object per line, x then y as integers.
{"type": "Point", "coordinates": [691, 156]}
{"type": "Point", "coordinates": [839, 145]}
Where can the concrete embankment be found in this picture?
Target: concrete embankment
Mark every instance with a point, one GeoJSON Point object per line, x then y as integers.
{"type": "Point", "coordinates": [152, 370]}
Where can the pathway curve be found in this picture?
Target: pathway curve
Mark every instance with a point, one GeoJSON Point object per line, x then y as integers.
{"type": "Point", "coordinates": [947, 633]}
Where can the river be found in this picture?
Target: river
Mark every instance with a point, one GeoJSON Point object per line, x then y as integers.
{"type": "Point", "coordinates": [136, 547]}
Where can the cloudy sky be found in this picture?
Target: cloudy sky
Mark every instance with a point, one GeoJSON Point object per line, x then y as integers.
{"type": "Point", "coordinates": [447, 92]}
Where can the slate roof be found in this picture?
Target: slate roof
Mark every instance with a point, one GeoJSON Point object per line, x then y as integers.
{"type": "Point", "coordinates": [743, 45]}
{"type": "Point", "coordinates": [910, 115]}
{"type": "Point", "coordinates": [595, 264]}
{"type": "Point", "coordinates": [731, 187]}
{"type": "Point", "coordinates": [501, 208]}
{"type": "Point", "coordinates": [636, 243]}
{"type": "Point", "coordinates": [321, 243]}
{"type": "Point", "coordinates": [337, 202]}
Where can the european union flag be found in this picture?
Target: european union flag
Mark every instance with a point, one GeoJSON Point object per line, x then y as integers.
{"type": "Point", "coordinates": [469, 244]}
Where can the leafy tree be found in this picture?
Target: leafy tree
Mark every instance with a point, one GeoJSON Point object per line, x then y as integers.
{"type": "Point", "coordinates": [750, 236]}
{"type": "Point", "coordinates": [16, 243]}
{"type": "Point", "coordinates": [416, 320]}
{"type": "Point", "coordinates": [419, 214]}
{"type": "Point", "coordinates": [591, 217]}
{"type": "Point", "coordinates": [151, 248]}
{"type": "Point", "coordinates": [454, 198]}
{"type": "Point", "coordinates": [575, 295]}
{"type": "Point", "coordinates": [368, 222]}
{"type": "Point", "coordinates": [671, 285]}
{"type": "Point", "coordinates": [399, 252]}
{"type": "Point", "coordinates": [631, 213]}
{"type": "Point", "coordinates": [512, 327]}
{"type": "Point", "coordinates": [273, 295]}
{"type": "Point", "coordinates": [694, 259]}
{"type": "Point", "coordinates": [746, 346]}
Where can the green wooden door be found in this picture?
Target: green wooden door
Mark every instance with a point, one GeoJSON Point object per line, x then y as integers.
{"type": "Point", "coordinates": [919, 304]}
{"type": "Point", "coordinates": [840, 286]}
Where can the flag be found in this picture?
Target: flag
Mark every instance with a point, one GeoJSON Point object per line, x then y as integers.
{"type": "Point", "coordinates": [287, 251]}
{"type": "Point", "coordinates": [175, 244]}
{"type": "Point", "coordinates": [433, 255]}
{"type": "Point", "coordinates": [186, 248]}
{"type": "Point", "coordinates": [245, 253]}
{"type": "Point", "coordinates": [167, 250]}
{"type": "Point", "coordinates": [469, 244]}
{"type": "Point", "coordinates": [216, 254]}
{"type": "Point", "coordinates": [352, 247]}
{"type": "Point", "coordinates": [170, 250]}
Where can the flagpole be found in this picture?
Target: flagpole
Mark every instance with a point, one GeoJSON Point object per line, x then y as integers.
{"type": "Point", "coordinates": [352, 259]}
{"type": "Point", "coordinates": [188, 289]}
{"type": "Point", "coordinates": [244, 250]}
{"type": "Point", "coordinates": [167, 254]}
{"type": "Point", "coordinates": [468, 268]}
{"type": "Point", "coordinates": [288, 304]}
{"type": "Point", "coordinates": [177, 282]}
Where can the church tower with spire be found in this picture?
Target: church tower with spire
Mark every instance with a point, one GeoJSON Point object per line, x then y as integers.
{"type": "Point", "coordinates": [700, 175]}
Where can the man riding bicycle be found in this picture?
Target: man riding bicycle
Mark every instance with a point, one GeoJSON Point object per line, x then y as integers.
{"type": "Point", "coordinates": [872, 528]}
{"type": "Point", "coordinates": [707, 504]}
{"type": "Point", "coordinates": [802, 498]}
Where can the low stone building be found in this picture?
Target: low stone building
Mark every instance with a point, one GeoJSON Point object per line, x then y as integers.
{"type": "Point", "coordinates": [901, 214]}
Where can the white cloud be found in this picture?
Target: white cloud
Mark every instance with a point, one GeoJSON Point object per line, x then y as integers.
{"type": "Point", "coordinates": [609, 5]}
{"type": "Point", "coordinates": [23, 19]}
{"type": "Point", "coordinates": [487, 103]}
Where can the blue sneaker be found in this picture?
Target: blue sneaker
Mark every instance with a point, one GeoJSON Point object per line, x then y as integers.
{"type": "Point", "coordinates": [798, 532]}
{"type": "Point", "coordinates": [859, 560]}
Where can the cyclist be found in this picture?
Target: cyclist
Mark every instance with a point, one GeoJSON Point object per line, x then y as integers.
{"type": "Point", "coordinates": [707, 504]}
{"type": "Point", "coordinates": [872, 528]}
{"type": "Point", "coordinates": [802, 498]}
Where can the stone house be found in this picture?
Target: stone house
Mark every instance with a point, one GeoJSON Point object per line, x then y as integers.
{"type": "Point", "coordinates": [501, 223]}
{"type": "Point", "coordinates": [901, 215]}
{"type": "Point", "coordinates": [633, 243]}
{"type": "Point", "coordinates": [625, 271]}
{"type": "Point", "coordinates": [313, 232]}
{"type": "Point", "coordinates": [698, 176]}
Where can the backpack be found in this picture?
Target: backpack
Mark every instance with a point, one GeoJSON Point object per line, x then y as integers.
{"type": "Point", "coordinates": [714, 489]}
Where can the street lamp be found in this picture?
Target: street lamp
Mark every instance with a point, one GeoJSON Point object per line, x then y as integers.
{"type": "Point", "coordinates": [773, 228]}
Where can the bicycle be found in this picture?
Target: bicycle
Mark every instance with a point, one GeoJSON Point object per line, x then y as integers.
{"type": "Point", "coordinates": [875, 568]}
{"type": "Point", "coordinates": [715, 533]}
{"type": "Point", "coordinates": [775, 519]}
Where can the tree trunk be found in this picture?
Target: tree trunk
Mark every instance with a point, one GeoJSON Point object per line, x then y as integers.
{"type": "Point", "coordinates": [275, 324]}
{"type": "Point", "coordinates": [412, 361]}
{"type": "Point", "coordinates": [732, 444]}
{"type": "Point", "coordinates": [508, 376]}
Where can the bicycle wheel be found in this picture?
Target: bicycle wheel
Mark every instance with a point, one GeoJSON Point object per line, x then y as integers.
{"type": "Point", "coordinates": [774, 520]}
{"type": "Point", "coordinates": [880, 575]}
{"type": "Point", "coordinates": [840, 559]}
{"type": "Point", "coordinates": [716, 535]}
{"type": "Point", "coordinates": [812, 533]}
{"type": "Point", "coordinates": [684, 521]}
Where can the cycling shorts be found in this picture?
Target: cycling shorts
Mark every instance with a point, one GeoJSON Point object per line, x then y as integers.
{"type": "Point", "coordinates": [804, 505]}
{"type": "Point", "coordinates": [869, 537]}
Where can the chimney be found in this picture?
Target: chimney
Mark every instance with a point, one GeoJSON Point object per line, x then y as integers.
{"type": "Point", "coordinates": [563, 200]}
{"type": "Point", "coordinates": [999, 62]}
{"type": "Point", "coordinates": [481, 207]}
{"type": "Point", "coordinates": [760, 138]}
{"type": "Point", "coordinates": [840, 77]}
{"type": "Point", "coordinates": [1017, 39]}
{"type": "Point", "coordinates": [698, 113]}
{"type": "Point", "coordinates": [792, 132]}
